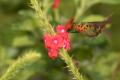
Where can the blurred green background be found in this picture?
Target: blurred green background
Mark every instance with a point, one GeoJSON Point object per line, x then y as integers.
{"type": "Point", "coordinates": [96, 57]}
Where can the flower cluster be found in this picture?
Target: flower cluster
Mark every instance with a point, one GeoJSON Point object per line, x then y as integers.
{"type": "Point", "coordinates": [54, 42]}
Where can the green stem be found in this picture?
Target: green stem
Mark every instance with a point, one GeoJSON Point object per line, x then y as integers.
{"type": "Point", "coordinates": [42, 17]}
{"type": "Point", "coordinates": [56, 15]}
{"type": "Point", "coordinates": [23, 62]}
{"type": "Point", "coordinates": [68, 60]}
{"type": "Point", "coordinates": [63, 53]}
{"type": "Point", "coordinates": [79, 12]}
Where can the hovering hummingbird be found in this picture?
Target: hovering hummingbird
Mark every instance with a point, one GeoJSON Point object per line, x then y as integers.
{"type": "Point", "coordinates": [89, 28]}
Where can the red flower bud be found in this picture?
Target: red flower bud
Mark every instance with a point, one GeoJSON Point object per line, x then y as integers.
{"type": "Point", "coordinates": [56, 4]}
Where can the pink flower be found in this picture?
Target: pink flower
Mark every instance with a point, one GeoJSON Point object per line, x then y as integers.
{"type": "Point", "coordinates": [52, 53]}
{"type": "Point", "coordinates": [56, 4]}
{"type": "Point", "coordinates": [62, 31]}
{"type": "Point", "coordinates": [56, 42]}
{"type": "Point", "coordinates": [66, 44]}
{"type": "Point", "coordinates": [47, 41]}
{"type": "Point", "coordinates": [53, 44]}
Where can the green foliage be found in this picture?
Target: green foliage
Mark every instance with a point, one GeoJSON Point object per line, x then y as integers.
{"type": "Point", "coordinates": [22, 41]}
{"type": "Point", "coordinates": [92, 18]}
{"type": "Point", "coordinates": [21, 29]}
{"type": "Point", "coordinates": [18, 66]}
{"type": "Point", "coordinates": [110, 1]}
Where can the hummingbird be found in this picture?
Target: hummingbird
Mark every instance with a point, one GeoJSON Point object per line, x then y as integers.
{"type": "Point", "coordinates": [89, 28]}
